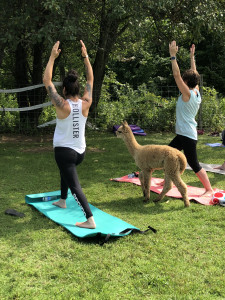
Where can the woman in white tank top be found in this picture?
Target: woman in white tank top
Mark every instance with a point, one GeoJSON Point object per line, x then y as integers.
{"type": "Point", "coordinates": [69, 137]}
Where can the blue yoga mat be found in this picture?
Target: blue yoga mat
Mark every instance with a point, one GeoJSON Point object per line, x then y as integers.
{"type": "Point", "coordinates": [106, 225]}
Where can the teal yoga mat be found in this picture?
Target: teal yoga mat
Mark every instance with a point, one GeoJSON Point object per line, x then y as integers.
{"type": "Point", "coordinates": [106, 225]}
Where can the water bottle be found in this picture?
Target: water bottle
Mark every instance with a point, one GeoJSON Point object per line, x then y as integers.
{"type": "Point", "coordinates": [132, 175]}
{"type": "Point", "coordinates": [49, 198]}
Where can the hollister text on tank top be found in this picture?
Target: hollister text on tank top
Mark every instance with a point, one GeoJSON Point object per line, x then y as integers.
{"type": "Point", "coordinates": [70, 132]}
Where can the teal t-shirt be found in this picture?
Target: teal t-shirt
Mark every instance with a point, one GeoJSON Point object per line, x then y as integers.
{"type": "Point", "coordinates": [185, 115]}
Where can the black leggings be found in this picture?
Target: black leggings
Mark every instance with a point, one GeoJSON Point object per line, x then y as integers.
{"type": "Point", "coordinates": [181, 142]}
{"type": "Point", "coordinates": [67, 159]}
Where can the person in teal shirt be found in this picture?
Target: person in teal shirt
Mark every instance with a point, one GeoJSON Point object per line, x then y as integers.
{"type": "Point", "coordinates": [186, 110]}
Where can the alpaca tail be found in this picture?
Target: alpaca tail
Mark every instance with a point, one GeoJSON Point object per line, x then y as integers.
{"type": "Point", "coordinates": [183, 162]}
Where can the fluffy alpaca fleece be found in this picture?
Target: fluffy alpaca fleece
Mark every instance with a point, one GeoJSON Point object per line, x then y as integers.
{"type": "Point", "coordinates": [155, 157]}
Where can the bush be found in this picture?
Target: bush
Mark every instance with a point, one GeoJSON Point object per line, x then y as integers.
{"type": "Point", "coordinates": [151, 112]}
{"type": "Point", "coordinates": [139, 107]}
{"type": "Point", "coordinates": [48, 114]}
{"type": "Point", "coordinates": [213, 111]}
{"type": "Point", "coordinates": [8, 120]}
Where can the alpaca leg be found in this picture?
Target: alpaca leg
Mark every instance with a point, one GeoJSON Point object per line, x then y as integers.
{"type": "Point", "coordinates": [182, 188]}
{"type": "Point", "coordinates": [141, 178]}
{"type": "Point", "coordinates": [166, 187]}
{"type": "Point", "coordinates": [145, 179]}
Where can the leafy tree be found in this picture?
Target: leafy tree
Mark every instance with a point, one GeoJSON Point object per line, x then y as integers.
{"type": "Point", "coordinates": [113, 30]}
{"type": "Point", "coordinates": [28, 28]}
{"type": "Point", "coordinates": [145, 57]}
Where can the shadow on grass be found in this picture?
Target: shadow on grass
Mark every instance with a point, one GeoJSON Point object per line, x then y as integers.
{"type": "Point", "coordinates": [17, 230]}
{"type": "Point", "coordinates": [40, 222]}
{"type": "Point", "coordinates": [14, 224]}
{"type": "Point", "coordinates": [131, 205]}
{"type": "Point", "coordinates": [20, 230]}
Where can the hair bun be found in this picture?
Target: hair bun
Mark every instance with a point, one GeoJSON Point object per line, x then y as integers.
{"type": "Point", "coordinates": [72, 77]}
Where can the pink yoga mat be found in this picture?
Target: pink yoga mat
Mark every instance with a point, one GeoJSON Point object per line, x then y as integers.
{"type": "Point", "coordinates": [194, 193]}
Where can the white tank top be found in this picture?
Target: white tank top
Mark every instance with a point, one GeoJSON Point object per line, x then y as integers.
{"type": "Point", "coordinates": [70, 132]}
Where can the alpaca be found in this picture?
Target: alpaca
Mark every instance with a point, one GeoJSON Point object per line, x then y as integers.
{"type": "Point", "coordinates": [155, 157]}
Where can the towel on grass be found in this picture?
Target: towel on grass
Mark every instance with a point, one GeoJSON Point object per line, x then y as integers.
{"type": "Point", "coordinates": [215, 145]}
{"type": "Point", "coordinates": [209, 168]}
{"type": "Point", "coordinates": [194, 193]}
{"type": "Point", "coordinates": [135, 129]}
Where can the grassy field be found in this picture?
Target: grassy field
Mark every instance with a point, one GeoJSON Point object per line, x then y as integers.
{"type": "Point", "coordinates": [41, 260]}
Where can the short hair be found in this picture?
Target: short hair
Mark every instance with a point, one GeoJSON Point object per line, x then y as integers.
{"type": "Point", "coordinates": [71, 84]}
{"type": "Point", "coordinates": [191, 78]}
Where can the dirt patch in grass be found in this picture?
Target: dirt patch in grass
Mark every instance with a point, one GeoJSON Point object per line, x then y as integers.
{"type": "Point", "coordinates": [38, 139]}
{"type": "Point", "coordinates": [38, 149]}
{"type": "Point", "coordinates": [41, 148]}
{"type": "Point", "coordinates": [25, 139]}
{"type": "Point", "coordinates": [93, 149]}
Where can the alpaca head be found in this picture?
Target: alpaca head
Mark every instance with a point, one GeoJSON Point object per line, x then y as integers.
{"type": "Point", "coordinates": [123, 130]}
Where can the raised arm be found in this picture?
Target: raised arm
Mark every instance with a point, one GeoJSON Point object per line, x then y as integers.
{"type": "Point", "coordinates": [192, 58]}
{"type": "Point", "coordinates": [87, 96]}
{"type": "Point", "coordinates": [56, 99]}
{"type": "Point", "coordinates": [173, 49]}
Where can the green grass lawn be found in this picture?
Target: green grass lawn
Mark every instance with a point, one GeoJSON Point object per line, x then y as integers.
{"type": "Point", "coordinates": [41, 260]}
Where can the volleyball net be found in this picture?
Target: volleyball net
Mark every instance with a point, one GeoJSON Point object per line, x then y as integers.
{"type": "Point", "coordinates": [39, 113]}
{"type": "Point", "coordinates": [11, 113]}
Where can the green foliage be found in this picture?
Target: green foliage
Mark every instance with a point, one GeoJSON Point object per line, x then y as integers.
{"type": "Point", "coordinates": [152, 112]}
{"type": "Point", "coordinates": [48, 114]}
{"type": "Point", "coordinates": [142, 107]}
{"type": "Point", "coordinates": [129, 37]}
{"type": "Point", "coordinates": [137, 107]}
{"type": "Point", "coordinates": [213, 110]}
{"type": "Point", "coordinates": [8, 120]}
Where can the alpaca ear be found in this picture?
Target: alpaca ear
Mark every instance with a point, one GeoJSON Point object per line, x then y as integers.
{"type": "Point", "coordinates": [125, 123]}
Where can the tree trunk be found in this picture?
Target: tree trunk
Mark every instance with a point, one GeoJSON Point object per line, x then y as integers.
{"type": "Point", "coordinates": [29, 119]}
{"type": "Point", "coordinates": [21, 81]}
{"type": "Point", "coordinates": [107, 39]}
{"type": "Point", "coordinates": [2, 47]}
{"type": "Point", "coordinates": [36, 96]}
{"type": "Point", "coordinates": [99, 73]}
{"type": "Point", "coordinates": [109, 32]}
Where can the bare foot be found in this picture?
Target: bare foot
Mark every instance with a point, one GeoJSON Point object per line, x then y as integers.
{"type": "Point", "coordinates": [90, 223]}
{"type": "Point", "coordinates": [207, 193]}
{"type": "Point", "coordinates": [61, 203]}
{"type": "Point", "coordinates": [221, 167]}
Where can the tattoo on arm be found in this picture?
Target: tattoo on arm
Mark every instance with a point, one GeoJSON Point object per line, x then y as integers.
{"type": "Point", "coordinates": [89, 90]}
{"type": "Point", "coordinates": [55, 97]}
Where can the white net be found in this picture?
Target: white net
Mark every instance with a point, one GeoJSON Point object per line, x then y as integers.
{"type": "Point", "coordinates": [33, 113]}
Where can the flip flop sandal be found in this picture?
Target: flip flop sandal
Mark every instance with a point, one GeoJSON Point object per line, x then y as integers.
{"type": "Point", "coordinates": [13, 212]}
